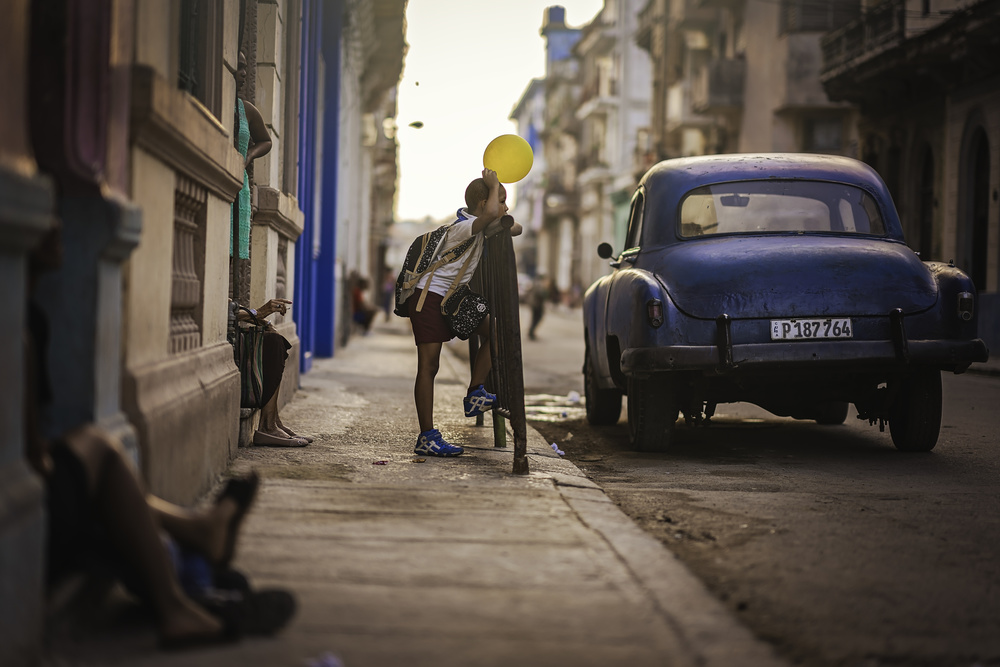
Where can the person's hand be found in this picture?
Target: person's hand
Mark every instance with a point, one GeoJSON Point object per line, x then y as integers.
{"type": "Point", "coordinates": [274, 306]}
{"type": "Point", "coordinates": [491, 179]}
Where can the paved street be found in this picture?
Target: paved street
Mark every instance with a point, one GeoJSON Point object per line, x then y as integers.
{"type": "Point", "coordinates": [826, 541]}
{"type": "Point", "coordinates": [401, 561]}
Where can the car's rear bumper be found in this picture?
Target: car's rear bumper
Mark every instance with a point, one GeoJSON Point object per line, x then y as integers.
{"type": "Point", "coordinates": [945, 354]}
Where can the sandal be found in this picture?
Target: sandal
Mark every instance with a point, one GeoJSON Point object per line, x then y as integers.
{"type": "Point", "coordinates": [242, 490]}
{"type": "Point", "coordinates": [262, 439]}
{"type": "Point", "coordinates": [258, 613]}
{"type": "Point", "coordinates": [307, 438]}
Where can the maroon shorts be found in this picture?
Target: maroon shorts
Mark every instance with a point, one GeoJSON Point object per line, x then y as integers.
{"type": "Point", "coordinates": [428, 325]}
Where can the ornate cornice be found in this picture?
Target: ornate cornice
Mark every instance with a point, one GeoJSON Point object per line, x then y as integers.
{"type": "Point", "coordinates": [279, 211]}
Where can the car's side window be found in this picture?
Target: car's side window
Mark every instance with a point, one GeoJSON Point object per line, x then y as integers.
{"type": "Point", "coordinates": [634, 235]}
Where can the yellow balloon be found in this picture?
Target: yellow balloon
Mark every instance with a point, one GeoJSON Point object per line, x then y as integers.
{"type": "Point", "coordinates": [510, 157]}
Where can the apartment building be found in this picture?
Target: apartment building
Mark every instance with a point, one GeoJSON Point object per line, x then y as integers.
{"type": "Point", "coordinates": [743, 76]}
{"type": "Point", "coordinates": [926, 79]}
{"type": "Point", "coordinates": [119, 124]}
{"type": "Point", "coordinates": [614, 105]}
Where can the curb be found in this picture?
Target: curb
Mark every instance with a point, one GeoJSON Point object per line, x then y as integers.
{"type": "Point", "coordinates": [711, 636]}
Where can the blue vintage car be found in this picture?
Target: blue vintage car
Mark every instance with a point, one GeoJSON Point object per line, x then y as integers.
{"type": "Point", "coordinates": [781, 280]}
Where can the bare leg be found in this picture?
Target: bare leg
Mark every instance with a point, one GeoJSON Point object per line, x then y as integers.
{"type": "Point", "coordinates": [269, 418]}
{"type": "Point", "coordinates": [428, 362]}
{"type": "Point", "coordinates": [134, 533]}
{"type": "Point", "coordinates": [201, 531]}
{"type": "Point", "coordinates": [484, 360]}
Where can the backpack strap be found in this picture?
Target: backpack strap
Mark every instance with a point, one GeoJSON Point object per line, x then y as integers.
{"type": "Point", "coordinates": [455, 283]}
{"type": "Point", "coordinates": [450, 256]}
{"type": "Point", "coordinates": [446, 258]}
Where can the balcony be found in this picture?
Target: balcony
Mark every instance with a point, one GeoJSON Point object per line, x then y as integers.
{"type": "Point", "coordinates": [598, 97]}
{"type": "Point", "coordinates": [718, 87]}
{"type": "Point", "coordinates": [731, 5]}
{"type": "Point", "coordinates": [863, 39]}
{"type": "Point", "coordinates": [692, 15]}
{"type": "Point", "coordinates": [680, 114]}
{"type": "Point", "coordinates": [596, 37]}
{"type": "Point", "coordinates": [591, 165]}
{"type": "Point", "coordinates": [890, 57]}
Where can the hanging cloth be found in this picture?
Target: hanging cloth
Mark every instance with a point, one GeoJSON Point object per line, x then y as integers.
{"type": "Point", "coordinates": [241, 207]}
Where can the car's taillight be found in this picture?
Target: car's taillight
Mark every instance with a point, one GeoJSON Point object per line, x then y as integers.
{"type": "Point", "coordinates": [966, 303]}
{"type": "Point", "coordinates": [654, 312]}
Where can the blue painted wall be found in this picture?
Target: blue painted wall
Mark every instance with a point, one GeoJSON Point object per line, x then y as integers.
{"type": "Point", "coordinates": [315, 254]}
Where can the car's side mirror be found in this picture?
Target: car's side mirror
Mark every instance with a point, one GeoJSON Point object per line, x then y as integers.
{"type": "Point", "coordinates": [605, 251]}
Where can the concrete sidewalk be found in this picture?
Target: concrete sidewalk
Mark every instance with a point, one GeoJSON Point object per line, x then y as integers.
{"type": "Point", "coordinates": [449, 561]}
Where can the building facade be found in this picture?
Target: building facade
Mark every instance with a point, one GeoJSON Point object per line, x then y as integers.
{"type": "Point", "coordinates": [926, 79]}
{"type": "Point", "coordinates": [743, 76]}
{"type": "Point", "coordinates": [614, 106]}
{"type": "Point", "coordinates": [529, 116]}
{"type": "Point", "coordinates": [596, 105]}
{"type": "Point", "coordinates": [131, 151]}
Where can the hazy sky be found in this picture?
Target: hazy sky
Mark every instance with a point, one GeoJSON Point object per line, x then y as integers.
{"type": "Point", "coordinates": [468, 63]}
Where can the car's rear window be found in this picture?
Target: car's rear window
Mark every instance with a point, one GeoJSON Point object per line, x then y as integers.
{"type": "Point", "coordinates": [755, 207]}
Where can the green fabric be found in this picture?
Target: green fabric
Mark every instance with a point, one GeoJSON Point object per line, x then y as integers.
{"type": "Point", "coordinates": [241, 206]}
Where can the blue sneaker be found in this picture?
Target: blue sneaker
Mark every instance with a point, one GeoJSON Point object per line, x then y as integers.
{"type": "Point", "coordinates": [431, 443]}
{"type": "Point", "coordinates": [479, 401]}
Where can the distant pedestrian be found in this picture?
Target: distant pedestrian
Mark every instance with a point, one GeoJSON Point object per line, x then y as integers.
{"type": "Point", "coordinates": [536, 300]}
{"type": "Point", "coordinates": [388, 292]}
{"type": "Point", "coordinates": [483, 215]}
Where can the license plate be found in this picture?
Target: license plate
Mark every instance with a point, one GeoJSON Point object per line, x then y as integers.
{"type": "Point", "coordinates": [812, 329]}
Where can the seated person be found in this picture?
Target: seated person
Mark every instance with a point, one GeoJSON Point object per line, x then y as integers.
{"type": "Point", "coordinates": [271, 432]}
{"type": "Point", "coordinates": [97, 508]}
{"type": "Point", "coordinates": [361, 312]}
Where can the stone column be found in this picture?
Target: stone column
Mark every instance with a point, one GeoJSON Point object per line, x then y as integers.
{"type": "Point", "coordinates": [26, 203]}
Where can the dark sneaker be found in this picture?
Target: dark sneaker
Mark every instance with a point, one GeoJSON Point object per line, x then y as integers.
{"type": "Point", "coordinates": [431, 443]}
{"type": "Point", "coordinates": [479, 401]}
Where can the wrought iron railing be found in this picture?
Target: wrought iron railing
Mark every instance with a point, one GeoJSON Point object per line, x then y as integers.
{"type": "Point", "coordinates": [863, 37]}
{"type": "Point", "coordinates": [496, 279]}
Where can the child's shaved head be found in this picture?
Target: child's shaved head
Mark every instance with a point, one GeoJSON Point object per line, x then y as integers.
{"type": "Point", "coordinates": [477, 192]}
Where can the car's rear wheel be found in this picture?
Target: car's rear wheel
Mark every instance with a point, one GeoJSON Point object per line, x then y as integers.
{"type": "Point", "coordinates": [652, 412]}
{"type": "Point", "coordinates": [915, 414]}
{"type": "Point", "coordinates": [604, 406]}
{"type": "Point", "coordinates": [832, 413]}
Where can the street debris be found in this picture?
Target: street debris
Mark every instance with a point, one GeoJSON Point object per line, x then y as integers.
{"type": "Point", "coordinates": [573, 397]}
{"type": "Point", "coordinates": [326, 660]}
{"type": "Point", "coordinates": [556, 449]}
{"type": "Point", "coordinates": [418, 460]}
{"type": "Point", "coordinates": [380, 463]}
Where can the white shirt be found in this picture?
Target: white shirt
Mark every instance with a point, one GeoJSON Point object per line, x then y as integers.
{"type": "Point", "coordinates": [460, 231]}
